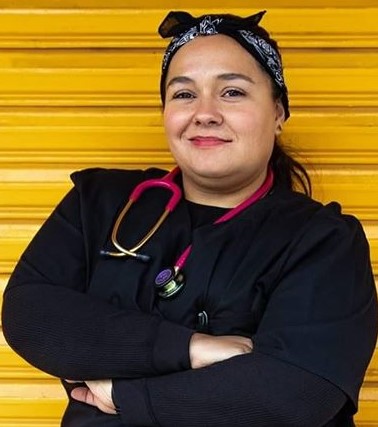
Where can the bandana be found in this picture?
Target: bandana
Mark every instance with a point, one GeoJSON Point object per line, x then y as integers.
{"type": "Point", "coordinates": [183, 27]}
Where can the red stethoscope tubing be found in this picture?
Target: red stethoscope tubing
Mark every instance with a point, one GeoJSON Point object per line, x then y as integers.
{"type": "Point", "coordinates": [165, 182]}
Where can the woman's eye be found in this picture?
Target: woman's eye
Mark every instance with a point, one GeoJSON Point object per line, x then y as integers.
{"type": "Point", "coordinates": [183, 95]}
{"type": "Point", "coordinates": [233, 93]}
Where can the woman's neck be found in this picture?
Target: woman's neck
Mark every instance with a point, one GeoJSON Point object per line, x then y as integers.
{"type": "Point", "coordinates": [213, 193]}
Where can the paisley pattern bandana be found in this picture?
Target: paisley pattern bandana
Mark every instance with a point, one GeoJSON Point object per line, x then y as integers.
{"type": "Point", "coordinates": [183, 27]}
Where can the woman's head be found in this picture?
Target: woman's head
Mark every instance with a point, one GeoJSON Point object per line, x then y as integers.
{"type": "Point", "coordinates": [225, 100]}
{"type": "Point", "coordinates": [220, 116]}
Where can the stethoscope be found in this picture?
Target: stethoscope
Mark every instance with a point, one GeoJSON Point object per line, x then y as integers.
{"type": "Point", "coordinates": [171, 280]}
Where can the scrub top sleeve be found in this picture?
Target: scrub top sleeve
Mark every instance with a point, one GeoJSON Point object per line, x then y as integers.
{"type": "Point", "coordinates": [322, 314]}
{"type": "Point", "coordinates": [49, 320]}
{"type": "Point", "coordinates": [249, 390]}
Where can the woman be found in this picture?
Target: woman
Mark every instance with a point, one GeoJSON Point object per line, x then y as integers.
{"type": "Point", "coordinates": [267, 316]}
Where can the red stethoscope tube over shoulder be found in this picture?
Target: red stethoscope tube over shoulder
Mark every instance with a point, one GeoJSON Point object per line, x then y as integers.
{"type": "Point", "coordinates": [170, 280]}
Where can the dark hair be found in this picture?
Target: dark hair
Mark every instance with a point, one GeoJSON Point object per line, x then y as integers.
{"type": "Point", "coordinates": [288, 172]}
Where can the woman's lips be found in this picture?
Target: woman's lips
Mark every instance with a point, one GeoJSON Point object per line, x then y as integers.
{"type": "Point", "coordinates": [208, 141]}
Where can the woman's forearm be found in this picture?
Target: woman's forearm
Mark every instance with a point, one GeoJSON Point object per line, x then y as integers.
{"type": "Point", "coordinates": [72, 335]}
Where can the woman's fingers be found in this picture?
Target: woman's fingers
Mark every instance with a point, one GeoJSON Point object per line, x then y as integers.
{"type": "Point", "coordinates": [98, 394]}
{"type": "Point", "coordinates": [83, 394]}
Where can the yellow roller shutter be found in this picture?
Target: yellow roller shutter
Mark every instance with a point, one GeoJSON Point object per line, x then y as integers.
{"type": "Point", "coordinates": [79, 88]}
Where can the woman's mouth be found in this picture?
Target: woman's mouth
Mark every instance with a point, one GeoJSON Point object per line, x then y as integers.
{"type": "Point", "coordinates": [208, 141]}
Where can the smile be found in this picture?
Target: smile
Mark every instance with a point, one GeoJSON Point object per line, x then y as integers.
{"type": "Point", "coordinates": [208, 141]}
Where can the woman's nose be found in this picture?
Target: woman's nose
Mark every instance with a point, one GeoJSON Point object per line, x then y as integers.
{"type": "Point", "coordinates": [207, 113]}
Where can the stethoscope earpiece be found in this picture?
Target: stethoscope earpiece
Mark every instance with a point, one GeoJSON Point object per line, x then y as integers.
{"type": "Point", "coordinates": [141, 257]}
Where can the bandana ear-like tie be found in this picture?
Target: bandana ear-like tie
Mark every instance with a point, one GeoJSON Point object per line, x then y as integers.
{"type": "Point", "coordinates": [178, 22]}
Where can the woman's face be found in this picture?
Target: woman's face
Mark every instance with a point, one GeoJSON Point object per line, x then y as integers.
{"type": "Point", "coordinates": [220, 117]}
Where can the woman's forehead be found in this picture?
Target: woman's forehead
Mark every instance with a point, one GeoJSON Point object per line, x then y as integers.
{"type": "Point", "coordinates": [212, 50]}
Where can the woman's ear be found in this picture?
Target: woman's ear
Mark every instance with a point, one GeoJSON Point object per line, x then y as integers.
{"type": "Point", "coordinates": [280, 117]}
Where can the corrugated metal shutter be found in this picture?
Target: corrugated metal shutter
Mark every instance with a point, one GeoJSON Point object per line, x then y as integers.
{"type": "Point", "coordinates": [79, 87]}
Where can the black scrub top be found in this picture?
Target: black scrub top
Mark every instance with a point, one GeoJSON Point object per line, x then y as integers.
{"type": "Point", "coordinates": [290, 273]}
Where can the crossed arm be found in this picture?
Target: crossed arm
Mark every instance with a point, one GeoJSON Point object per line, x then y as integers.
{"type": "Point", "coordinates": [204, 350]}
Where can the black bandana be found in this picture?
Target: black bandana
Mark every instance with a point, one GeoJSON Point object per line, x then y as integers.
{"type": "Point", "coordinates": [183, 27]}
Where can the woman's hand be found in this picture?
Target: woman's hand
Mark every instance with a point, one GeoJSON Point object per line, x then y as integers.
{"type": "Point", "coordinates": [96, 393]}
{"type": "Point", "coordinates": [204, 350]}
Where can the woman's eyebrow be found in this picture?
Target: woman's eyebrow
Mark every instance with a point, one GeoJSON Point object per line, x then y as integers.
{"type": "Point", "coordinates": [223, 76]}
{"type": "Point", "coordinates": [179, 79]}
{"type": "Point", "coordinates": [235, 76]}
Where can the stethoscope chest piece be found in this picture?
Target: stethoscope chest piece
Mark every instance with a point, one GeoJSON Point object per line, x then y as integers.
{"type": "Point", "coordinates": [169, 282]}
